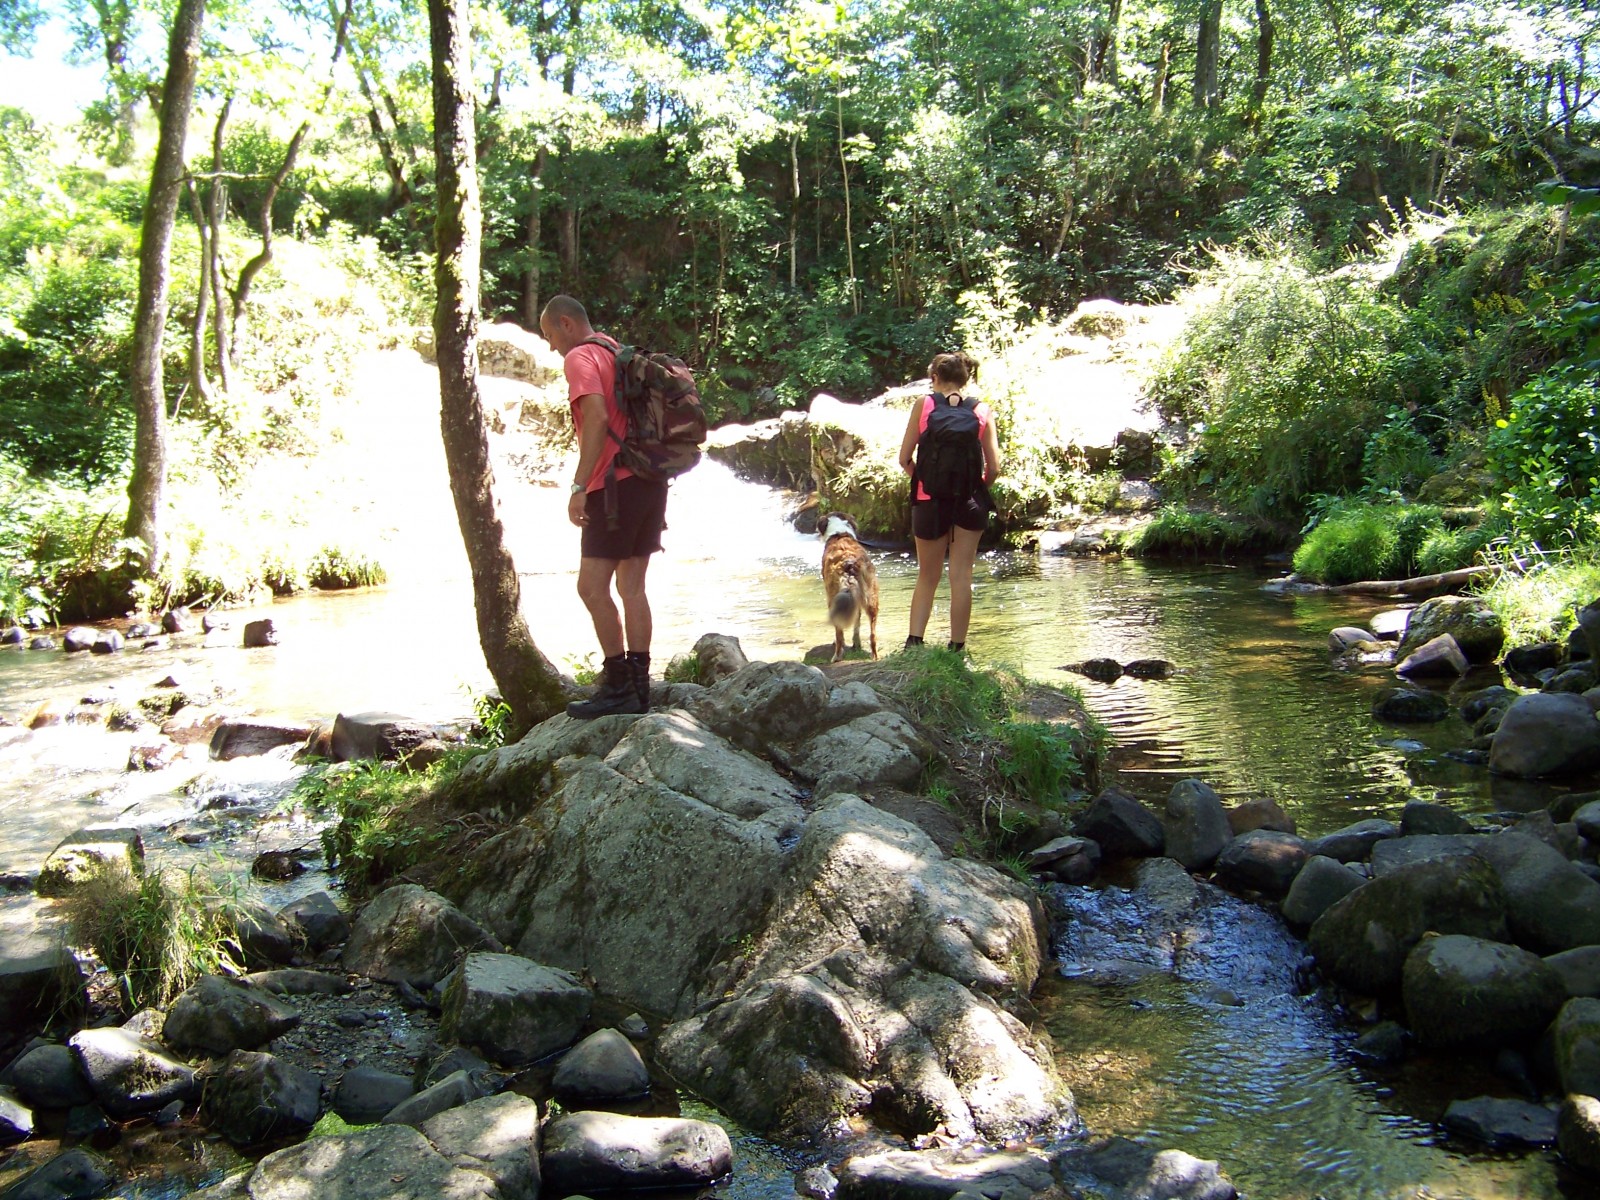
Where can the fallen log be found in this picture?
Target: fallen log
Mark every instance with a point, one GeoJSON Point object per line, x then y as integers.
{"type": "Point", "coordinates": [1419, 587]}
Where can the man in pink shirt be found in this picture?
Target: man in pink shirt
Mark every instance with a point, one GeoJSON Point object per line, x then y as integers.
{"type": "Point", "coordinates": [621, 515]}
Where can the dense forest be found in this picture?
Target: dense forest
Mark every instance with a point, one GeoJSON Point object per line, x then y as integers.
{"type": "Point", "coordinates": [808, 196]}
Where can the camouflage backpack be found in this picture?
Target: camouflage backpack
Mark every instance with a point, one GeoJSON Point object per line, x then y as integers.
{"type": "Point", "coordinates": [666, 425]}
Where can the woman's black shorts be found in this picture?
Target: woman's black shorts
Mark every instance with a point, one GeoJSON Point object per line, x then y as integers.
{"type": "Point", "coordinates": [932, 519]}
{"type": "Point", "coordinates": [640, 515]}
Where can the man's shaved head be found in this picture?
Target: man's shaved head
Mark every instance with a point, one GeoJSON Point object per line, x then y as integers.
{"type": "Point", "coordinates": [565, 306]}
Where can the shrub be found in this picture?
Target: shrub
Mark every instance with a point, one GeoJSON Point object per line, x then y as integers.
{"type": "Point", "coordinates": [379, 831]}
{"type": "Point", "coordinates": [1355, 540]}
{"type": "Point", "coordinates": [1543, 602]}
{"type": "Point", "coordinates": [1289, 375]}
{"type": "Point", "coordinates": [1547, 450]}
{"type": "Point", "coordinates": [158, 933]}
{"type": "Point", "coordinates": [1183, 532]}
{"type": "Point", "coordinates": [1349, 545]}
{"type": "Point", "coordinates": [332, 568]}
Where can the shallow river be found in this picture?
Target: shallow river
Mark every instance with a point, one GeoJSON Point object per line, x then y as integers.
{"type": "Point", "coordinates": [1259, 1081]}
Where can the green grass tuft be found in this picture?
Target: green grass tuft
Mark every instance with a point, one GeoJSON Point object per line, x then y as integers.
{"type": "Point", "coordinates": [158, 933]}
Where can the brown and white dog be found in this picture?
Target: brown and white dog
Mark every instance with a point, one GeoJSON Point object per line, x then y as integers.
{"type": "Point", "coordinates": [851, 582]}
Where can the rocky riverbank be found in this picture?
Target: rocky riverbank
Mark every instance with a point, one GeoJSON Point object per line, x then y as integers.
{"type": "Point", "coordinates": [730, 865]}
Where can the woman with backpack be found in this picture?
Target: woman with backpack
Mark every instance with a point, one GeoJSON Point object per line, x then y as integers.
{"type": "Point", "coordinates": [957, 456]}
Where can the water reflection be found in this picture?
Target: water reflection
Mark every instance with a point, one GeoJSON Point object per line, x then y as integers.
{"type": "Point", "coordinates": [1189, 1032]}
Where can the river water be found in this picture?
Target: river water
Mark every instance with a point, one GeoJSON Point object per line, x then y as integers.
{"type": "Point", "coordinates": [1259, 1081]}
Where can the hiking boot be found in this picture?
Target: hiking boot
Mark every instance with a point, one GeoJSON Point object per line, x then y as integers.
{"type": "Point", "coordinates": [639, 668]}
{"type": "Point", "coordinates": [616, 693]}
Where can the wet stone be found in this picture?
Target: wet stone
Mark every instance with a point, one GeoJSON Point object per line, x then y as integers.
{"type": "Point", "coordinates": [366, 1095]}
{"type": "Point", "coordinates": [74, 1174]}
{"type": "Point", "coordinates": [48, 1077]}
{"type": "Point", "coordinates": [602, 1067]}
{"type": "Point", "coordinates": [1502, 1123]}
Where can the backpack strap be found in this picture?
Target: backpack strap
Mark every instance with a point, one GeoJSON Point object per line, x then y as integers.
{"type": "Point", "coordinates": [621, 355]}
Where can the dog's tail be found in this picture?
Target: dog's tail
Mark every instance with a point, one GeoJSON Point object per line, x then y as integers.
{"type": "Point", "coordinates": [842, 612]}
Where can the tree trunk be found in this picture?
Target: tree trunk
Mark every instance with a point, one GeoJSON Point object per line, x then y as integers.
{"type": "Point", "coordinates": [148, 484]}
{"type": "Point", "coordinates": [199, 384]}
{"type": "Point", "coordinates": [1103, 65]}
{"type": "Point", "coordinates": [1208, 44]}
{"type": "Point", "coordinates": [211, 260]}
{"type": "Point", "coordinates": [1266, 32]}
{"type": "Point", "coordinates": [531, 281]}
{"type": "Point", "coordinates": [241, 290]}
{"type": "Point", "coordinates": [849, 233]}
{"type": "Point", "coordinates": [794, 202]}
{"type": "Point", "coordinates": [1158, 99]}
{"type": "Point", "coordinates": [527, 681]}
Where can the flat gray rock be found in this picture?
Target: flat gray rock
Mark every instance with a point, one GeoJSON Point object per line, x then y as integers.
{"type": "Point", "coordinates": [1546, 734]}
{"type": "Point", "coordinates": [1579, 969]}
{"type": "Point", "coordinates": [1196, 824]}
{"type": "Point", "coordinates": [16, 1119]}
{"type": "Point", "coordinates": [129, 1075]}
{"type": "Point", "coordinates": [512, 1009]}
{"type": "Point", "coordinates": [71, 1175]}
{"type": "Point", "coordinates": [450, 1092]}
{"type": "Point", "coordinates": [915, 1174]}
{"type": "Point", "coordinates": [48, 1077]}
{"type": "Point", "coordinates": [1392, 854]}
{"type": "Point", "coordinates": [386, 1162]}
{"type": "Point", "coordinates": [411, 935]}
{"type": "Point", "coordinates": [498, 1137]}
{"type": "Point", "coordinates": [596, 1151]}
{"type": "Point", "coordinates": [1502, 1124]}
{"type": "Point", "coordinates": [256, 1097]}
{"type": "Point", "coordinates": [879, 748]}
{"type": "Point", "coordinates": [218, 1015]}
{"type": "Point", "coordinates": [1321, 884]}
{"type": "Point", "coordinates": [366, 1095]}
{"type": "Point", "coordinates": [1353, 843]}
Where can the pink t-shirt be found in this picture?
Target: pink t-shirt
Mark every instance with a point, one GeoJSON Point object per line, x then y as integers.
{"type": "Point", "coordinates": [592, 371]}
{"type": "Point", "coordinates": [980, 410]}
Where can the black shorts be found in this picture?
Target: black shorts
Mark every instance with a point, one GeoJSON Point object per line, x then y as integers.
{"type": "Point", "coordinates": [932, 519]}
{"type": "Point", "coordinates": [640, 515]}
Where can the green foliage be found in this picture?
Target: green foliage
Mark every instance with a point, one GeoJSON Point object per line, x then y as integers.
{"type": "Point", "coordinates": [1290, 374]}
{"type": "Point", "coordinates": [494, 720]}
{"type": "Point", "coordinates": [1031, 760]}
{"type": "Point", "coordinates": [682, 668]}
{"type": "Point", "coordinates": [1354, 540]}
{"type": "Point", "coordinates": [585, 670]}
{"type": "Point", "coordinates": [1547, 447]}
{"type": "Point", "coordinates": [1190, 533]}
{"type": "Point", "coordinates": [1542, 602]}
{"type": "Point", "coordinates": [332, 567]}
{"type": "Point", "coordinates": [1037, 761]}
{"type": "Point", "coordinates": [158, 933]}
{"type": "Point", "coordinates": [378, 833]}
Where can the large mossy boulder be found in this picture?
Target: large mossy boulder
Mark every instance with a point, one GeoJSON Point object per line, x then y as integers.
{"type": "Point", "coordinates": [880, 982]}
{"type": "Point", "coordinates": [1476, 628]}
{"type": "Point", "coordinates": [1467, 991]}
{"type": "Point", "coordinates": [823, 959]}
{"type": "Point", "coordinates": [1362, 941]}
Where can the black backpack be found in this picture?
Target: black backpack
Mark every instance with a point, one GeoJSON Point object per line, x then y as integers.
{"type": "Point", "coordinates": [949, 453]}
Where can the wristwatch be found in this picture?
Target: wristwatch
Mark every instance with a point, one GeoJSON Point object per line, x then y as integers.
{"type": "Point", "coordinates": [577, 489]}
